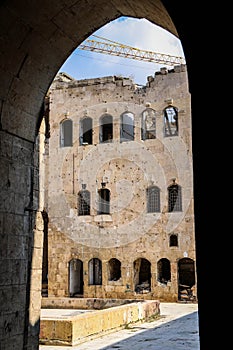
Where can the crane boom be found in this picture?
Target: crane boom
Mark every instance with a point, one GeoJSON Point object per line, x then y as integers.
{"type": "Point", "coordinates": [114, 48]}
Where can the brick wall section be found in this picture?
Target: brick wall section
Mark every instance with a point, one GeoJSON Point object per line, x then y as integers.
{"type": "Point", "coordinates": [17, 239]}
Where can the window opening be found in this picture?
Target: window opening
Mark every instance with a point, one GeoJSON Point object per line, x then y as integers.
{"type": "Point", "coordinates": [127, 127]}
{"type": "Point", "coordinates": [142, 276]}
{"type": "Point", "coordinates": [171, 121]}
{"type": "Point", "coordinates": [153, 199]}
{"type": "Point", "coordinates": [174, 240]}
{"type": "Point", "coordinates": [148, 130]}
{"type": "Point", "coordinates": [104, 200]}
{"type": "Point", "coordinates": [75, 277]}
{"type": "Point", "coordinates": [164, 271]}
{"type": "Point", "coordinates": [66, 133]}
{"type": "Point", "coordinates": [106, 129]}
{"type": "Point", "coordinates": [174, 198]}
{"type": "Point", "coordinates": [114, 266]}
{"type": "Point", "coordinates": [95, 271]}
{"type": "Point", "coordinates": [84, 201]}
{"type": "Point", "coordinates": [86, 131]}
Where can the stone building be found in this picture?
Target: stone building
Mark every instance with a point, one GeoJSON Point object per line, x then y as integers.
{"type": "Point", "coordinates": [36, 39]}
{"type": "Point", "coordinates": [118, 188]}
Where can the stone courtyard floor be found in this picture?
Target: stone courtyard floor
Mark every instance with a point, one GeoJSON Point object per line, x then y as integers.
{"type": "Point", "coordinates": [175, 329]}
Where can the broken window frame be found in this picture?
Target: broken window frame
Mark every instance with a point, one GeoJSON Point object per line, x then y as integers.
{"type": "Point", "coordinates": [170, 121]}
{"type": "Point", "coordinates": [148, 131]}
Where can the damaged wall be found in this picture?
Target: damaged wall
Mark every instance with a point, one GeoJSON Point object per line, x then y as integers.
{"type": "Point", "coordinates": [126, 168]}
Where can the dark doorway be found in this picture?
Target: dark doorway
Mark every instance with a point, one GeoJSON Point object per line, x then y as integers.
{"type": "Point", "coordinates": [186, 280]}
{"type": "Point", "coordinates": [75, 278]}
{"type": "Point", "coordinates": [142, 275]}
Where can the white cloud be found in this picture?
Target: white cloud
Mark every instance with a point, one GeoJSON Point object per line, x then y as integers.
{"type": "Point", "coordinates": [142, 34]}
{"type": "Point", "coordinates": [138, 33]}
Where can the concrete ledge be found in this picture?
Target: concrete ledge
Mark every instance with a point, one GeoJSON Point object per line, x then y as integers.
{"type": "Point", "coordinates": [75, 329]}
{"type": "Point", "coordinates": [84, 303]}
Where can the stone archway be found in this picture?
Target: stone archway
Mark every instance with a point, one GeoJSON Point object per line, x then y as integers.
{"type": "Point", "coordinates": [36, 39]}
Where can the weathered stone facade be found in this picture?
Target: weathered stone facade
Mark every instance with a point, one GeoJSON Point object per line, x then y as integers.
{"type": "Point", "coordinates": [35, 43]}
{"type": "Point", "coordinates": [125, 149]}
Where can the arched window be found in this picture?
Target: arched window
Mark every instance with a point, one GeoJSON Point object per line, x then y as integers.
{"type": "Point", "coordinates": [164, 270]}
{"type": "Point", "coordinates": [148, 130]}
{"type": "Point", "coordinates": [103, 201]}
{"type": "Point", "coordinates": [114, 268]}
{"type": "Point", "coordinates": [66, 133]}
{"type": "Point", "coordinates": [84, 202]}
{"type": "Point", "coordinates": [170, 121]}
{"type": "Point", "coordinates": [153, 199]}
{"type": "Point", "coordinates": [174, 240]}
{"type": "Point", "coordinates": [142, 275]}
{"type": "Point", "coordinates": [127, 127]}
{"type": "Point", "coordinates": [95, 271]}
{"type": "Point", "coordinates": [174, 198]}
{"type": "Point", "coordinates": [106, 128]}
{"type": "Point", "coordinates": [85, 136]}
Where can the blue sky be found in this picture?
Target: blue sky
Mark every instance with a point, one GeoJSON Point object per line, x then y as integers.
{"type": "Point", "coordinates": [139, 33]}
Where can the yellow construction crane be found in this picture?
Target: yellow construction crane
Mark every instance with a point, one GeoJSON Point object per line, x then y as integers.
{"type": "Point", "coordinates": [114, 48]}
